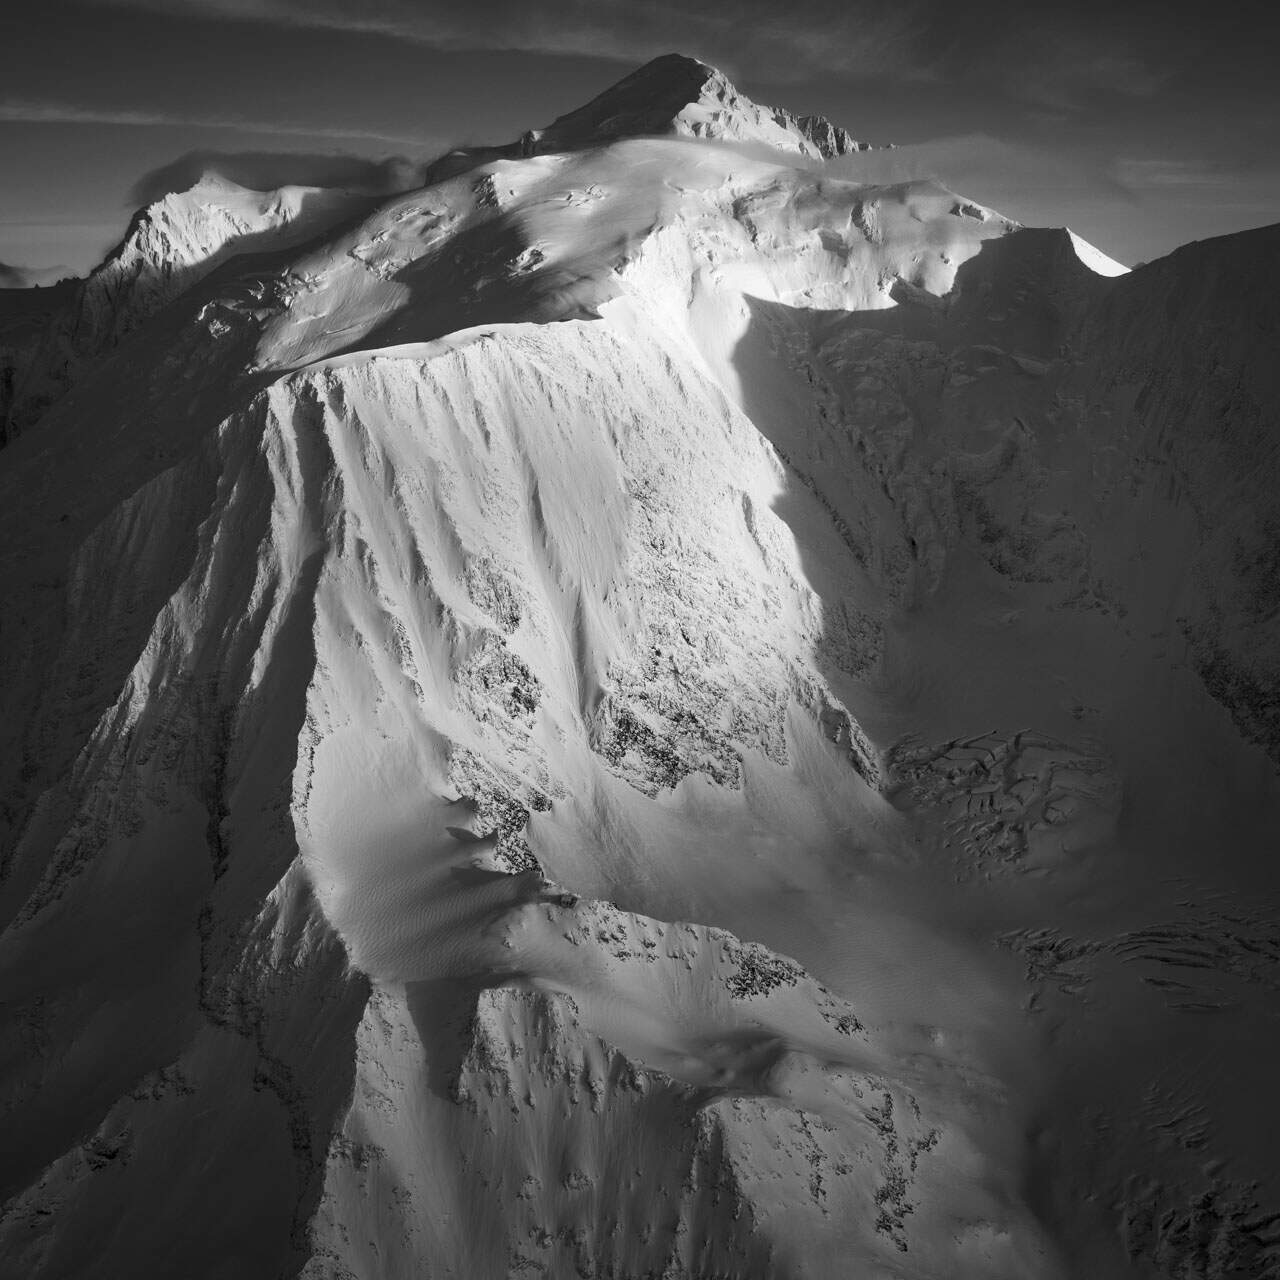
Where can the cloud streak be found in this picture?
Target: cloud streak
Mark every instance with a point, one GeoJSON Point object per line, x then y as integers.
{"type": "Point", "coordinates": [52, 111]}
{"type": "Point", "coordinates": [13, 276]}
{"type": "Point", "coordinates": [1033, 54]}
{"type": "Point", "coordinates": [856, 36]}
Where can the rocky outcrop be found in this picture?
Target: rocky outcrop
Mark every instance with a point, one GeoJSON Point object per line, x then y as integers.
{"type": "Point", "coordinates": [831, 139]}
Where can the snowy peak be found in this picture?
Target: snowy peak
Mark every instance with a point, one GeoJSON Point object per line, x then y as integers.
{"type": "Point", "coordinates": [672, 96]}
{"type": "Point", "coordinates": [197, 227]}
{"type": "Point", "coordinates": [168, 247]}
{"type": "Point", "coordinates": [679, 95]}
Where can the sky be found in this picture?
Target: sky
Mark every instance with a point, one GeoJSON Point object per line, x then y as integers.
{"type": "Point", "coordinates": [1140, 125]}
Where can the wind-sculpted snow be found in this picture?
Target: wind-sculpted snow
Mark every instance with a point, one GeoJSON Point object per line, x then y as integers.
{"type": "Point", "coordinates": [641, 710]}
{"type": "Point", "coordinates": [556, 237]}
{"type": "Point", "coordinates": [1009, 798]}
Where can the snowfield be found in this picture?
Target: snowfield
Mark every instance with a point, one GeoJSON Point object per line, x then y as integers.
{"type": "Point", "coordinates": [644, 709]}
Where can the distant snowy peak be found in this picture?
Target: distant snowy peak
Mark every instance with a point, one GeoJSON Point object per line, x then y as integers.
{"type": "Point", "coordinates": [194, 228]}
{"type": "Point", "coordinates": [181, 237]}
{"type": "Point", "coordinates": [679, 95]}
{"type": "Point", "coordinates": [169, 246]}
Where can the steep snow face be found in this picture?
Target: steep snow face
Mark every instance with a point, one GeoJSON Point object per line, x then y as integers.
{"type": "Point", "coordinates": [511, 629]}
{"type": "Point", "coordinates": [642, 710]}
{"type": "Point", "coordinates": [170, 246]}
{"type": "Point", "coordinates": [484, 612]}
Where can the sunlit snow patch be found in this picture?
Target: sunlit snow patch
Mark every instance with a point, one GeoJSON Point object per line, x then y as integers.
{"type": "Point", "coordinates": [1094, 258]}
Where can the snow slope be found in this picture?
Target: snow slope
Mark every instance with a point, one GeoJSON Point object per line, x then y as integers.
{"type": "Point", "coordinates": [644, 710]}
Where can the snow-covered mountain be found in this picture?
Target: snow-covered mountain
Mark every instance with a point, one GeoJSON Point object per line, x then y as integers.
{"type": "Point", "coordinates": [169, 247]}
{"type": "Point", "coordinates": [643, 709]}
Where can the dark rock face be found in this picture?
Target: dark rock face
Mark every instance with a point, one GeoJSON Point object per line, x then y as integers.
{"type": "Point", "coordinates": [831, 139]}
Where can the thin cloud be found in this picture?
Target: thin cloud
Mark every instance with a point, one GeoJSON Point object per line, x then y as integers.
{"type": "Point", "coordinates": [1248, 189]}
{"type": "Point", "coordinates": [851, 36]}
{"type": "Point", "coordinates": [1050, 58]}
{"type": "Point", "coordinates": [1070, 78]}
{"type": "Point", "coordinates": [976, 164]}
{"type": "Point", "coordinates": [1021, 180]}
{"type": "Point", "coordinates": [1149, 174]}
{"type": "Point", "coordinates": [50, 111]}
{"type": "Point", "coordinates": [13, 276]}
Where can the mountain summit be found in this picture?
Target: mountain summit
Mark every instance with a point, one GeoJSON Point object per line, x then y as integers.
{"type": "Point", "coordinates": [642, 708]}
{"type": "Point", "coordinates": [673, 96]}
{"type": "Point", "coordinates": [680, 96]}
